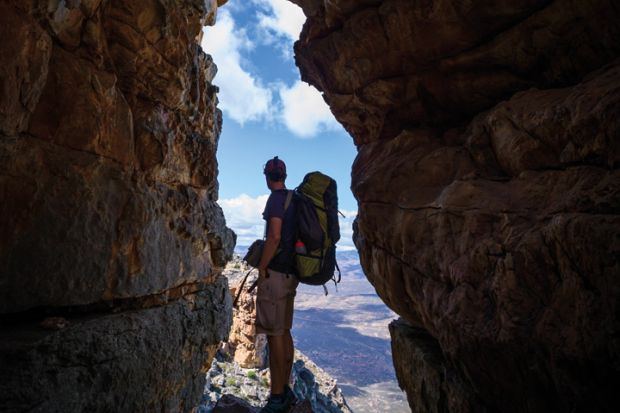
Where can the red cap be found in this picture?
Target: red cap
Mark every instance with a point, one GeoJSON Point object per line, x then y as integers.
{"type": "Point", "coordinates": [275, 165]}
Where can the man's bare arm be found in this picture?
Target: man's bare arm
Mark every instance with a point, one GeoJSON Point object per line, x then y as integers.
{"type": "Point", "coordinates": [271, 244]}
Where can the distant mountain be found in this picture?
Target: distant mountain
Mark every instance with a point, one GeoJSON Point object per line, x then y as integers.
{"type": "Point", "coordinates": [340, 254]}
{"type": "Point", "coordinates": [353, 277]}
{"type": "Point", "coordinates": [347, 254]}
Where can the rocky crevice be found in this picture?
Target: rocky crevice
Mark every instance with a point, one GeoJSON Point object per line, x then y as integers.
{"type": "Point", "coordinates": [488, 190]}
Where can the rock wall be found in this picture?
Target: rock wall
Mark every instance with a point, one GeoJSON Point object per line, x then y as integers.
{"type": "Point", "coordinates": [108, 213]}
{"type": "Point", "coordinates": [488, 188]}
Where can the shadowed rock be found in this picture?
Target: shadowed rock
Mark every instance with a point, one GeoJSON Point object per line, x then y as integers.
{"type": "Point", "coordinates": [232, 404]}
{"type": "Point", "coordinates": [488, 189]}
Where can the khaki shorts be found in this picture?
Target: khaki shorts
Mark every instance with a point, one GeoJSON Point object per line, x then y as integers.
{"type": "Point", "coordinates": [274, 303]}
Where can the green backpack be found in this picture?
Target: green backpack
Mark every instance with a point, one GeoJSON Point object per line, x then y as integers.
{"type": "Point", "coordinates": [318, 229]}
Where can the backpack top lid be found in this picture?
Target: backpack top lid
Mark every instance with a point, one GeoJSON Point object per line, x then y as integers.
{"type": "Point", "coordinates": [314, 186]}
{"type": "Point", "coordinates": [323, 192]}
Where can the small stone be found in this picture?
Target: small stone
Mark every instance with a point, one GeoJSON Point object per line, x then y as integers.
{"type": "Point", "coordinates": [54, 323]}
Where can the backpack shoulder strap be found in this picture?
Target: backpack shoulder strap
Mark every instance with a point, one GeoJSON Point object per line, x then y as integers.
{"type": "Point", "coordinates": [287, 202]}
{"type": "Point", "coordinates": [289, 198]}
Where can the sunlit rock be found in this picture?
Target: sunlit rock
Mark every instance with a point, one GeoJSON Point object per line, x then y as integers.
{"type": "Point", "coordinates": [245, 346]}
{"type": "Point", "coordinates": [108, 213]}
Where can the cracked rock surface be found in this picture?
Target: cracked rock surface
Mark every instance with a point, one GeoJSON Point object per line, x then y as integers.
{"type": "Point", "coordinates": [488, 189]}
{"type": "Point", "coordinates": [152, 359]}
{"type": "Point", "coordinates": [108, 205]}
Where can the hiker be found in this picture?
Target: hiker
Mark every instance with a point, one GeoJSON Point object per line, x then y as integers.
{"type": "Point", "coordinates": [277, 285]}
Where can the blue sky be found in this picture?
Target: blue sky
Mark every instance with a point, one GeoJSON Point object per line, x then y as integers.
{"type": "Point", "coordinates": [268, 111]}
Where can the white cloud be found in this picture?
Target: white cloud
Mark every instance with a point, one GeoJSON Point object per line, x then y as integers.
{"type": "Point", "coordinates": [304, 112]}
{"type": "Point", "coordinates": [280, 22]}
{"type": "Point", "coordinates": [244, 216]}
{"type": "Point", "coordinates": [282, 18]}
{"type": "Point", "coordinates": [242, 95]}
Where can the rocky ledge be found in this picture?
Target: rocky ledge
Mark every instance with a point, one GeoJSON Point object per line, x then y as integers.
{"type": "Point", "coordinates": [240, 369]}
{"type": "Point", "coordinates": [141, 359]}
{"type": "Point", "coordinates": [313, 387]}
{"type": "Point", "coordinates": [232, 404]}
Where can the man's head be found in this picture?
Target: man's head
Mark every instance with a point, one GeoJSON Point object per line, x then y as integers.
{"type": "Point", "coordinates": [275, 170]}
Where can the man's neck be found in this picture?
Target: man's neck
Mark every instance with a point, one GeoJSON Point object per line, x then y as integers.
{"type": "Point", "coordinates": [277, 186]}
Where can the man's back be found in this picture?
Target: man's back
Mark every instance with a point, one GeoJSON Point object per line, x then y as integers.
{"type": "Point", "coordinates": [284, 260]}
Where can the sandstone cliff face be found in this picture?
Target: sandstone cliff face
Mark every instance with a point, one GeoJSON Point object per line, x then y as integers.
{"type": "Point", "coordinates": [246, 347]}
{"type": "Point", "coordinates": [108, 214]}
{"type": "Point", "coordinates": [488, 189]}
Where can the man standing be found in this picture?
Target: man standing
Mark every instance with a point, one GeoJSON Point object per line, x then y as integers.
{"type": "Point", "coordinates": [276, 286]}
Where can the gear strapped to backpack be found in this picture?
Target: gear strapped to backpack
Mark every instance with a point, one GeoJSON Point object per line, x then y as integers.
{"type": "Point", "coordinates": [318, 229]}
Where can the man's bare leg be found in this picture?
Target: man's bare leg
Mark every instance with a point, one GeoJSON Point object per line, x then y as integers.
{"type": "Point", "coordinates": [289, 353]}
{"type": "Point", "coordinates": [277, 362]}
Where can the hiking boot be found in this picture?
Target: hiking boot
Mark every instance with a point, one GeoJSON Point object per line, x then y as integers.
{"type": "Point", "coordinates": [278, 405]}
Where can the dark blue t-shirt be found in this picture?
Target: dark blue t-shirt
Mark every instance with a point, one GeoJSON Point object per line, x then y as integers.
{"type": "Point", "coordinates": [283, 261]}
